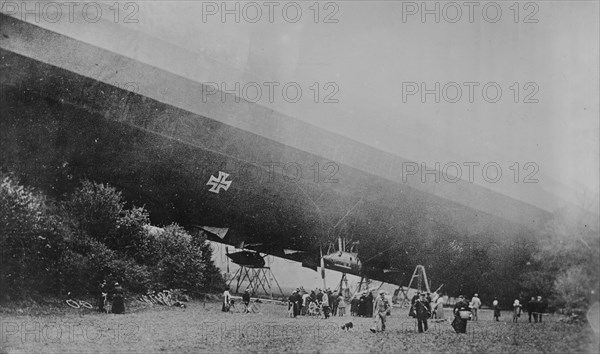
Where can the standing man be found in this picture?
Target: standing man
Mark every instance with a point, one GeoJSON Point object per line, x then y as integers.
{"type": "Point", "coordinates": [415, 298]}
{"type": "Point", "coordinates": [362, 304]}
{"type": "Point", "coordinates": [531, 308]}
{"type": "Point", "coordinates": [354, 306]}
{"type": "Point", "coordinates": [319, 297]}
{"type": "Point", "coordinates": [536, 309]}
{"type": "Point", "coordinates": [369, 305]}
{"type": "Point", "coordinates": [382, 307]}
{"type": "Point", "coordinates": [475, 305]}
{"type": "Point", "coordinates": [334, 303]}
{"type": "Point", "coordinates": [298, 301]}
{"type": "Point", "coordinates": [423, 312]}
{"type": "Point", "coordinates": [325, 305]}
{"type": "Point", "coordinates": [293, 304]}
{"type": "Point", "coordinates": [411, 311]}
{"type": "Point", "coordinates": [540, 307]}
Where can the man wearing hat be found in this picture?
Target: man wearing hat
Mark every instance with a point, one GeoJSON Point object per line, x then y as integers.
{"type": "Point", "coordinates": [475, 305]}
{"type": "Point", "coordinates": [423, 312]}
{"type": "Point", "coordinates": [411, 311]}
{"type": "Point", "coordinates": [540, 307]}
{"type": "Point", "coordinates": [298, 302]}
{"type": "Point", "coordinates": [362, 304]}
{"type": "Point", "coordinates": [382, 307]}
{"type": "Point", "coordinates": [325, 304]}
{"type": "Point", "coordinates": [319, 296]}
{"type": "Point", "coordinates": [292, 304]}
{"type": "Point", "coordinates": [369, 304]}
{"type": "Point", "coordinates": [416, 297]}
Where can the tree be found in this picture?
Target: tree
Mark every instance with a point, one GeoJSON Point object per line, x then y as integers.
{"type": "Point", "coordinates": [96, 208]}
{"type": "Point", "coordinates": [28, 241]}
{"type": "Point", "coordinates": [564, 266]}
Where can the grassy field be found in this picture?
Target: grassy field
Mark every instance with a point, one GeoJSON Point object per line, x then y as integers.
{"type": "Point", "coordinates": [202, 327]}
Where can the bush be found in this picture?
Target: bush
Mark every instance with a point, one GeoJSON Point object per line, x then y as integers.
{"type": "Point", "coordinates": [72, 246]}
{"type": "Point", "coordinates": [572, 289]}
{"type": "Point", "coordinates": [565, 264]}
{"type": "Point", "coordinates": [181, 263]}
{"type": "Point", "coordinates": [28, 241]}
{"type": "Point", "coordinates": [96, 208]}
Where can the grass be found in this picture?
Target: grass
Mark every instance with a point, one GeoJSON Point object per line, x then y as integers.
{"type": "Point", "coordinates": [202, 327]}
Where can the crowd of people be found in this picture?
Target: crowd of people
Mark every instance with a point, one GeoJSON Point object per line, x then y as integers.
{"type": "Point", "coordinates": [322, 303]}
{"type": "Point", "coordinates": [424, 306]}
{"type": "Point", "coordinates": [464, 311]}
{"type": "Point", "coordinates": [535, 308]}
{"type": "Point", "coordinates": [326, 303]}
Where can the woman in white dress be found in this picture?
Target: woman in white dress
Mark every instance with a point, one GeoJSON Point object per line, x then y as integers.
{"type": "Point", "coordinates": [226, 300]}
{"type": "Point", "coordinates": [439, 308]}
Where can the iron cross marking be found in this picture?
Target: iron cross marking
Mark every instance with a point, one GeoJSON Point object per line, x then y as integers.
{"type": "Point", "coordinates": [219, 182]}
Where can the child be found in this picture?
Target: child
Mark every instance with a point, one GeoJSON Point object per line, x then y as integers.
{"type": "Point", "coordinates": [496, 309]}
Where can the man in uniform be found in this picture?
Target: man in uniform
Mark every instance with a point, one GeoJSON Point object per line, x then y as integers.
{"type": "Point", "coordinates": [531, 308]}
{"type": "Point", "coordinates": [382, 307]}
{"type": "Point", "coordinates": [540, 307]}
{"type": "Point", "coordinates": [423, 312]}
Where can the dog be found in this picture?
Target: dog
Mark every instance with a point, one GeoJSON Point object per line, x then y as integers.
{"type": "Point", "coordinates": [348, 326]}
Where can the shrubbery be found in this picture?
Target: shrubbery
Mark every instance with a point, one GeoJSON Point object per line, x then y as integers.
{"type": "Point", "coordinates": [564, 266]}
{"type": "Point", "coordinates": [52, 247]}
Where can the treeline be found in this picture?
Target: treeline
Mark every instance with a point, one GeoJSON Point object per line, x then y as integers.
{"type": "Point", "coordinates": [564, 265]}
{"type": "Point", "coordinates": [559, 262]}
{"type": "Point", "coordinates": [56, 246]}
